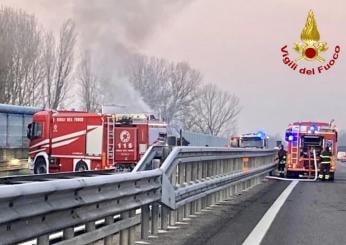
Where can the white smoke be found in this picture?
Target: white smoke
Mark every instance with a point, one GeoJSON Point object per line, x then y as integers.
{"type": "Point", "coordinates": [112, 31]}
{"type": "Point", "coordinates": [115, 30]}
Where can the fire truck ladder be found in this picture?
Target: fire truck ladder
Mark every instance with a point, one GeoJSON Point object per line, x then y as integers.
{"type": "Point", "coordinates": [110, 140]}
{"type": "Point", "coordinates": [295, 152]}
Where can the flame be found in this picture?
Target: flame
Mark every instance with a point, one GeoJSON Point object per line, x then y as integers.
{"type": "Point", "coordinates": [310, 31]}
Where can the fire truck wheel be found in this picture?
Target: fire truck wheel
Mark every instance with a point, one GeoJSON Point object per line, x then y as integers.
{"type": "Point", "coordinates": [81, 166]}
{"type": "Point", "coordinates": [40, 166]}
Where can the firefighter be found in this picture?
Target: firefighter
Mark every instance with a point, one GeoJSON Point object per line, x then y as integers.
{"type": "Point", "coordinates": [325, 161]}
{"type": "Point", "coordinates": [282, 155]}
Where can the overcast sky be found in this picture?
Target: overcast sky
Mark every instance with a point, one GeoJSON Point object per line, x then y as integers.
{"type": "Point", "coordinates": [236, 44]}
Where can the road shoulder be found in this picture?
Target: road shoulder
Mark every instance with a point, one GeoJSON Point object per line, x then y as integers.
{"type": "Point", "coordinates": [228, 222]}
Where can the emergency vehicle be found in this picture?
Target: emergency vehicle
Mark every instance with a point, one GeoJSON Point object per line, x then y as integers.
{"type": "Point", "coordinates": [64, 141]}
{"type": "Point", "coordinates": [305, 137]}
{"type": "Point", "coordinates": [251, 140]}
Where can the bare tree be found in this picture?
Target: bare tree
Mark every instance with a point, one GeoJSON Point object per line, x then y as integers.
{"type": "Point", "coordinates": [21, 72]}
{"type": "Point", "coordinates": [91, 95]}
{"type": "Point", "coordinates": [58, 64]}
{"type": "Point", "coordinates": [49, 63]}
{"type": "Point", "coordinates": [214, 112]}
{"type": "Point", "coordinates": [168, 88]}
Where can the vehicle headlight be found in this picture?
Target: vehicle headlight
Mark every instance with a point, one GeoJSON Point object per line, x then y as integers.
{"type": "Point", "coordinates": [14, 161]}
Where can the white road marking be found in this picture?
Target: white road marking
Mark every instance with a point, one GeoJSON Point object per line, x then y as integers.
{"type": "Point", "coordinates": [258, 233]}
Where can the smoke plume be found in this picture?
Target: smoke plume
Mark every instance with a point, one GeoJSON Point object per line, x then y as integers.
{"type": "Point", "coordinates": [115, 30]}
{"type": "Point", "coordinates": [112, 31]}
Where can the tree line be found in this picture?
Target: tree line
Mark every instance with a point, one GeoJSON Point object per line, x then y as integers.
{"type": "Point", "coordinates": [39, 68]}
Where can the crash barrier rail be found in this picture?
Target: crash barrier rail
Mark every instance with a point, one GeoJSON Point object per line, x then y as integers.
{"type": "Point", "coordinates": [194, 178]}
{"type": "Point", "coordinates": [20, 179]}
{"type": "Point", "coordinates": [83, 210]}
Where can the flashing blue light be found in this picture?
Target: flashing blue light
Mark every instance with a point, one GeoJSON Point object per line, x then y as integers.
{"type": "Point", "coordinates": [290, 137]}
{"type": "Point", "coordinates": [313, 128]}
{"type": "Point", "coordinates": [260, 134]}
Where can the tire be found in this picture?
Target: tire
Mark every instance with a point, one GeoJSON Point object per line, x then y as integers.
{"type": "Point", "coordinates": [40, 166]}
{"type": "Point", "coordinates": [81, 166]}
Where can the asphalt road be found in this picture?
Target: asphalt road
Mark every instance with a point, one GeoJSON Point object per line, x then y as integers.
{"type": "Point", "coordinates": [228, 222]}
{"type": "Point", "coordinates": [314, 213]}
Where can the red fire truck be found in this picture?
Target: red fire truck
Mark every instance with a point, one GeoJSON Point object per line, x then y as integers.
{"type": "Point", "coordinates": [305, 137]}
{"type": "Point", "coordinates": [64, 141]}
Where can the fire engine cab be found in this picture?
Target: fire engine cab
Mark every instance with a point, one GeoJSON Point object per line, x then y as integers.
{"type": "Point", "coordinates": [251, 140]}
{"type": "Point", "coordinates": [64, 141]}
{"type": "Point", "coordinates": [305, 137]}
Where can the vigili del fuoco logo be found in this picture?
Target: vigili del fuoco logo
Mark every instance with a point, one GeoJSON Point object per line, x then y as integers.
{"type": "Point", "coordinates": [310, 49]}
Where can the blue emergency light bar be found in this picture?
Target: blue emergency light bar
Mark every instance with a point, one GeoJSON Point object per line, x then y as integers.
{"type": "Point", "coordinates": [260, 134]}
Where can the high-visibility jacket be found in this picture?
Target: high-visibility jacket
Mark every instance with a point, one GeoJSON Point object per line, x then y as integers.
{"type": "Point", "coordinates": [282, 156]}
{"type": "Point", "coordinates": [326, 157]}
{"type": "Point", "coordinates": [283, 159]}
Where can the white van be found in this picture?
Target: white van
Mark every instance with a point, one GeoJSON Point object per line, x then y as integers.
{"type": "Point", "coordinates": [341, 156]}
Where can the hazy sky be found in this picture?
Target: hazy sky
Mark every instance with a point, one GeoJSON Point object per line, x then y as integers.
{"type": "Point", "coordinates": [236, 44]}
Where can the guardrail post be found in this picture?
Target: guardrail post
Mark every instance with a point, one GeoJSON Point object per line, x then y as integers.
{"type": "Point", "coordinates": [194, 178]}
{"type": "Point", "coordinates": [109, 239]}
{"type": "Point", "coordinates": [164, 217]}
{"type": "Point", "coordinates": [154, 218]}
{"type": "Point", "coordinates": [209, 169]}
{"type": "Point", "coordinates": [217, 172]}
{"type": "Point", "coordinates": [132, 230]}
{"type": "Point", "coordinates": [214, 173]}
{"type": "Point", "coordinates": [43, 240]}
{"type": "Point", "coordinates": [173, 214]}
{"type": "Point", "coordinates": [90, 226]}
{"type": "Point", "coordinates": [187, 207]}
{"type": "Point", "coordinates": [238, 163]}
{"type": "Point", "coordinates": [237, 188]}
{"type": "Point", "coordinates": [199, 178]}
{"type": "Point", "coordinates": [145, 216]}
{"type": "Point", "coordinates": [181, 179]}
{"type": "Point", "coordinates": [68, 233]}
{"type": "Point", "coordinates": [124, 234]}
{"type": "Point", "coordinates": [204, 176]}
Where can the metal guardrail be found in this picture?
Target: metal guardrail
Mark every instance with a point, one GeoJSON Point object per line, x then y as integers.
{"type": "Point", "coordinates": [22, 179]}
{"type": "Point", "coordinates": [35, 210]}
{"type": "Point", "coordinates": [84, 209]}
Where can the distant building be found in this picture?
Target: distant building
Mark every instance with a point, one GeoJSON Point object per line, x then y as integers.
{"type": "Point", "coordinates": [13, 126]}
{"type": "Point", "coordinates": [198, 139]}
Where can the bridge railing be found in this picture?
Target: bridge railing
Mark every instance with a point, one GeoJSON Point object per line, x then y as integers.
{"type": "Point", "coordinates": [196, 177]}
{"type": "Point", "coordinates": [82, 210]}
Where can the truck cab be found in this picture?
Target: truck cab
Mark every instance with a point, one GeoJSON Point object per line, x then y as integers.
{"type": "Point", "coordinates": [251, 140]}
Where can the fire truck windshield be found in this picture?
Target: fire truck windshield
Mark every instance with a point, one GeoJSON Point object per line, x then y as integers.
{"type": "Point", "coordinates": [252, 142]}
{"type": "Point", "coordinates": [34, 130]}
